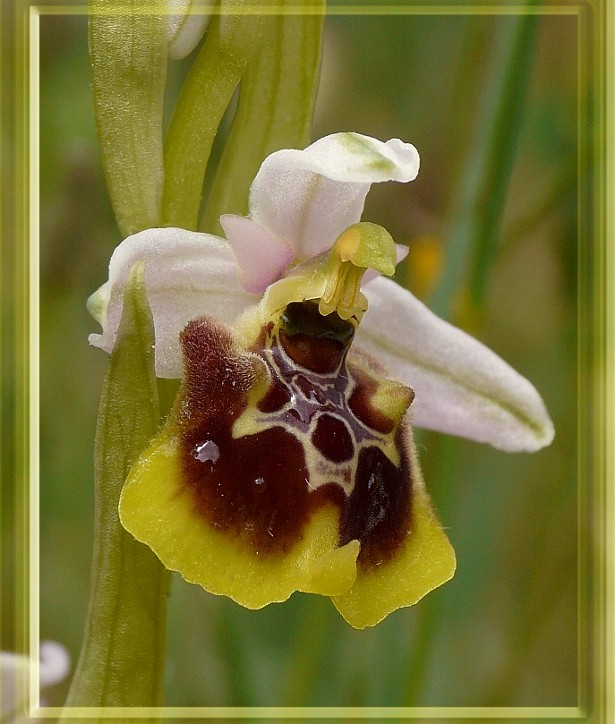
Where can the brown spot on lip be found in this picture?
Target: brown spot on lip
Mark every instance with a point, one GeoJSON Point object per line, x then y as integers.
{"type": "Point", "coordinates": [332, 439]}
{"type": "Point", "coordinates": [275, 398]}
{"type": "Point", "coordinates": [378, 511]}
{"type": "Point", "coordinates": [257, 487]}
{"type": "Point", "coordinates": [360, 404]}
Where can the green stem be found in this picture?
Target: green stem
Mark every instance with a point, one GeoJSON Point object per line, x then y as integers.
{"type": "Point", "coordinates": [484, 180]}
{"type": "Point", "coordinates": [122, 657]}
{"type": "Point", "coordinates": [275, 108]}
{"type": "Point", "coordinates": [128, 54]}
{"type": "Point", "coordinates": [230, 43]}
{"type": "Point", "coordinates": [505, 136]}
{"type": "Point", "coordinates": [310, 640]}
{"type": "Point", "coordinates": [431, 611]}
{"type": "Point", "coordinates": [545, 203]}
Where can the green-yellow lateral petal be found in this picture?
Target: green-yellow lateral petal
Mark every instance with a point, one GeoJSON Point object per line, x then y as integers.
{"type": "Point", "coordinates": [156, 508]}
{"type": "Point", "coordinates": [425, 561]}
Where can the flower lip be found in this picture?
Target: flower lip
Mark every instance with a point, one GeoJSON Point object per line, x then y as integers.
{"type": "Point", "coordinates": [304, 494]}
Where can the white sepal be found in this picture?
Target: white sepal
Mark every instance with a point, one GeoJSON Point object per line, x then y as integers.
{"type": "Point", "coordinates": [461, 387]}
{"type": "Point", "coordinates": [187, 275]}
{"type": "Point", "coordinates": [309, 197]}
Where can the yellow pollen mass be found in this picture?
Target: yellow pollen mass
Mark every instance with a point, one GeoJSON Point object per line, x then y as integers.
{"type": "Point", "coordinates": [360, 247]}
{"type": "Point", "coordinates": [342, 293]}
{"type": "Point", "coordinates": [347, 243]}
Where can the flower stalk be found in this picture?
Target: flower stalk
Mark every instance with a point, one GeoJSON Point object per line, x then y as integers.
{"type": "Point", "coordinates": [275, 108]}
{"type": "Point", "coordinates": [232, 40]}
{"type": "Point", "coordinates": [128, 52]}
{"type": "Point", "coordinates": [122, 657]}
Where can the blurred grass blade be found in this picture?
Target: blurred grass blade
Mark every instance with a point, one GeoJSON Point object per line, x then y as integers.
{"type": "Point", "coordinates": [122, 657]}
{"type": "Point", "coordinates": [473, 238]}
{"type": "Point", "coordinates": [311, 639]}
{"type": "Point", "coordinates": [231, 42]}
{"type": "Point", "coordinates": [128, 53]}
{"type": "Point", "coordinates": [483, 183]}
{"type": "Point", "coordinates": [275, 108]}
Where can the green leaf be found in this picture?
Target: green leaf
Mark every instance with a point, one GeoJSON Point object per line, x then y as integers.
{"type": "Point", "coordinates": [231, 41]}
{"type": "Point", "coordinates": [275, 109]}
{"type": "Point", "coordinates": [503, 147]}
{"type": "Point", "coordinates": [128, 52]}
{"type": "Point", "coordinates": [122, 657]}
{"type": "Point", "coordinates": [484, 180]}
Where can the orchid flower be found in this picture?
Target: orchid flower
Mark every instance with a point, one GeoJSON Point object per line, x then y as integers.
{"type": "Point", "coordinates": [14, 673]}
{"type": "Point", "coordinates": [288, 462]}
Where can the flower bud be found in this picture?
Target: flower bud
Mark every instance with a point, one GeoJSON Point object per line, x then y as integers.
{"type": "Point", "coordinates": [186, 23]}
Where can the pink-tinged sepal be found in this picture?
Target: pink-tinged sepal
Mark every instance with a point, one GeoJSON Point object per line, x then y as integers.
{"type": "Point", "coordinates": [261, 256]}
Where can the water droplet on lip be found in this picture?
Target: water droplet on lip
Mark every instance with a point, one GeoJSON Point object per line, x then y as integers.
{"type": "Point", "coordinates": [260, 483]}
{"type": "Point", "coordinates": [207, 452]}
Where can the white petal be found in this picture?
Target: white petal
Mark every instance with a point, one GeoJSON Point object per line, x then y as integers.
{"type": "Point", "coordinates": [186, 275]}
{"type": "Point", "coordinates": [186, 23]}
{"type": "Point", "coordinates": [55, 663]}
{"type": "Point", "coordinates": [309, 197]}
{"type": "Point", "coordinates": [14, 671]}
{"type": "Point", "coordinates": [261, 257]}
{"type": "Point", "coordinates": [461, 386]}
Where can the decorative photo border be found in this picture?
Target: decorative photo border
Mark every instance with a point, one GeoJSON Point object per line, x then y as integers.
{"type": "Point", "coordinates": [20, 83]}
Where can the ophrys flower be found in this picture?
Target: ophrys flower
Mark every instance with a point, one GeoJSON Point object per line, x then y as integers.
{"type": "Point", "coordinates": [288, 461]}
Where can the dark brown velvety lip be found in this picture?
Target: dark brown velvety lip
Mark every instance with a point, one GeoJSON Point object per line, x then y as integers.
{"type": "Point", "coordinates": [257, 486]}
{"type": "Point", "coordinates": [378, 511]}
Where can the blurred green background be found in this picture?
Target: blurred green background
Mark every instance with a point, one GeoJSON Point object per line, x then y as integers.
{"type": "Point", "coordinates": [503, 632]}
